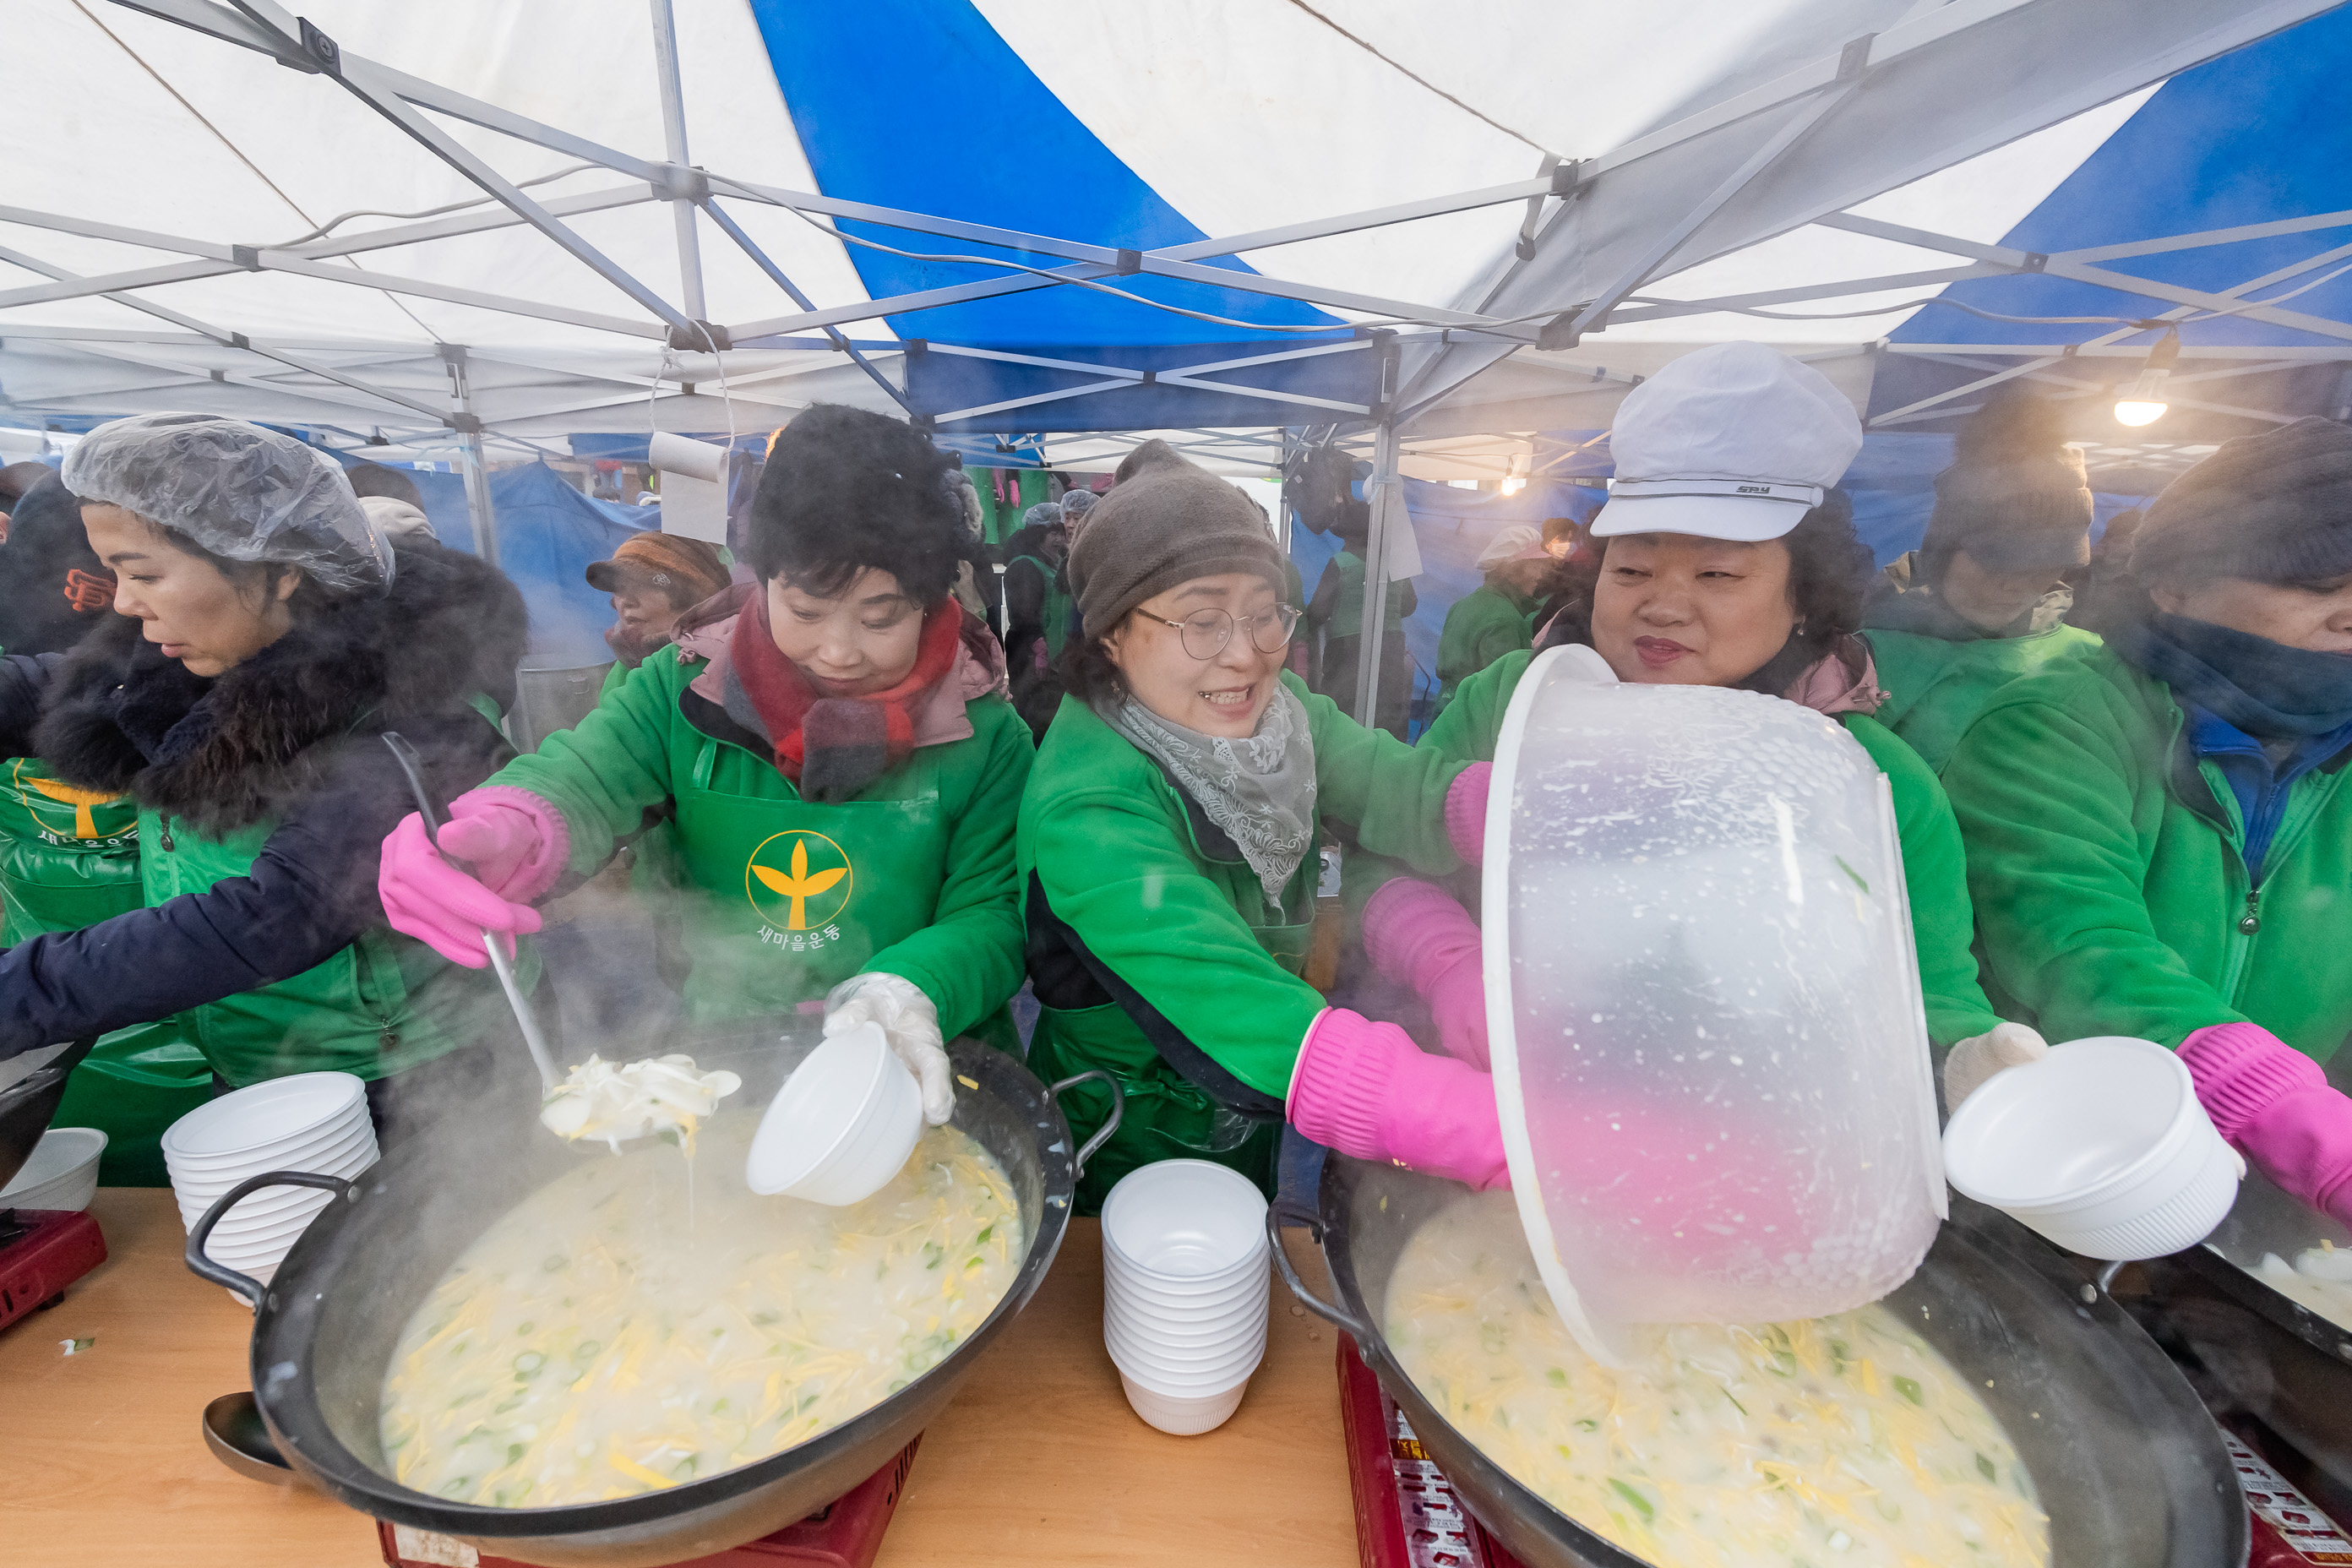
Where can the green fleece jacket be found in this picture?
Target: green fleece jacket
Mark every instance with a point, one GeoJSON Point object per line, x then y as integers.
{"type": "Point", "coordinates": [2110, 889]}
{"type": "Point", "coordinates": [1936, 687]}
{"type": "Point", "coordinates": [1480, 628]}
{"type": "Point", "coordinates": [652, 738]}
{"type": "Point", "coordinates": [1117, 858]}
{"type": "Point", "coordinates": [1932, 859]}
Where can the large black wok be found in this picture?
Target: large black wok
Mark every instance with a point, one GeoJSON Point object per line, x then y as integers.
{"type": "Point", "coordinates": [2129, 1464]}
{"type": "Point", "coordinates": [325, 1326]}
{"type": "Point", "coordinates": [35, 1085]}
{"type": "Point", "coordinates": [2281, 1361]}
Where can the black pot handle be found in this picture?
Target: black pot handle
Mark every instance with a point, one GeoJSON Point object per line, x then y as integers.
{"type": "Point", "coordinates": [1293, 1212]}
{"type": "Point", "coordinates": [1103, 1135]}
{"type": "Point", "coordinates": [245, 1285]}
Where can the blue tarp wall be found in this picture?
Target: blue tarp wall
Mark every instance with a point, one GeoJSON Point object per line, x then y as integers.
{"type": "Point", "coordinates": [548, 533]}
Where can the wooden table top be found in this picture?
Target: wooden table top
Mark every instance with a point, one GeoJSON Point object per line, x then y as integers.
{"type": "Point", "coordinates": [1038, 1461]}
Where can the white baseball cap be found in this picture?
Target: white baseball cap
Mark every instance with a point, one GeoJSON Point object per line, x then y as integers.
{"type": "Point", "coordinates": [1732, 441]}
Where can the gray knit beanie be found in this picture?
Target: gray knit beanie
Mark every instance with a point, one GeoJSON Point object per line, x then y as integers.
{"type": "Point", "coordinates": [1165, 522]}
{"type": "Point", "coordinates": [2276, 507]}
{"type": "Point", "coordinates": [2016, 497]}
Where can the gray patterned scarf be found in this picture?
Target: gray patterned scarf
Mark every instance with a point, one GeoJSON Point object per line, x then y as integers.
{"type": "Point", "coordinates": [1260, 790]}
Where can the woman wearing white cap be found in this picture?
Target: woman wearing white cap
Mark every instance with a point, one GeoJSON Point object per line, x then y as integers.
{"type": "Point", "coordinates": [1498, 617]}
{"type": "Point", "coordinates": [1727, 560]}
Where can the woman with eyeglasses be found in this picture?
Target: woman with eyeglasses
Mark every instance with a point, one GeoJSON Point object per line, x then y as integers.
{"type": "Point", "coordinates": [1169, 854]}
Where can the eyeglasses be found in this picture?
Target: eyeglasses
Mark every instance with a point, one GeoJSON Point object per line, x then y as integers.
{"type": "Point", "coordinates": [1205, 633]}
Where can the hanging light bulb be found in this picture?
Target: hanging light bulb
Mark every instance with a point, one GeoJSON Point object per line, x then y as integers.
{"type": "Point", "coordinates": [2144, 404]}
{"type": "Point", "coordinates": [1516, 479]}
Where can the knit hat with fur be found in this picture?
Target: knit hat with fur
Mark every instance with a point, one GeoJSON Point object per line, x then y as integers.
{"type": "Point", "coordinates": [2276, 507]}
{"type": "Point", "coordinates": [1165, 522]}
{"type": "Point", "coordinates": [2016, 497]}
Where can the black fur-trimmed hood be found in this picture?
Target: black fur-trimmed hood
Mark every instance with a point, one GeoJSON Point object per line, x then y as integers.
{"type": "Point", "coordinates": [225, 752]}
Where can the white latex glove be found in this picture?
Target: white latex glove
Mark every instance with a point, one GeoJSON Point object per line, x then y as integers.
{"type": "Point", "coordinates": [908, 1021]}
{"type": "Point", "coordinates": [1978, 1057]}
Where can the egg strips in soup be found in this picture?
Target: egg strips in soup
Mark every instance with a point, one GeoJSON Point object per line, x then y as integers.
{"type": "Point", "coordinates": [619, 1331]}
{"type": "Point", "coordinates": [1805, 1445]}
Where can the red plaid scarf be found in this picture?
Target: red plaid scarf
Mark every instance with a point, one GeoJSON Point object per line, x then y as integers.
{"type": "Point", "coordinates": [833, 747]}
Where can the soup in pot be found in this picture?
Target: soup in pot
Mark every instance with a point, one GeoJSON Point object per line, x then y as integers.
{"type": "Point", "coordinates": [622, 1331]}
{"type": "Point", "coordinates": [1835, 1440]}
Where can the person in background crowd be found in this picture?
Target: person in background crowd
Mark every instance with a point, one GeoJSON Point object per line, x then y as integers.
{"type": "Point", "coordinates": [1337, 612]}
{"type": "Point", "coordinates": [1499, 616]}
{"type": "Point", "coordinates": [2161, 837]}
{"type": "Point", "coordinates": [1169, 850]}
{"type": "Point", "coordinates": [392, 502]}
{"type": "Point", "coordinates": [53, 589]}
{"type": "Point", "coordinates": [1563, 537]}
{"type": "Point", "coordinates": [832, 746]}
{"type": "Point", "coordinates": [1075, 505]}
{"type": "Point", "coordinates": [1985, 603]}
{"type": "Point", "coordinates": [70, 856]}
{"type": "Point", "coordinates": [1037, 606]}
{"type": "Point", "coordinates": [653, 578]}
{"type": "Point", "coordinates": [2105, 590]}
{"type": "Point", "coordinates": [978, 588]}
{"type": "Point", "coordinates": [15, 481]}
{"type": "Point", "coordinates": [1756, 592]}
{"type": "Point", "coordinates": [263, 636]}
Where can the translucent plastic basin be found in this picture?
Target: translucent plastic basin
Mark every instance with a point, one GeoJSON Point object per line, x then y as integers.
{"type": "Point", "coordinates": [1703, 1004]}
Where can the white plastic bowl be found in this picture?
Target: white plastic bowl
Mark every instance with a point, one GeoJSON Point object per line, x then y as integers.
{"type": "Point", "coordinates": [1181, 1417]}
{"type": "Point", "coordinates": [61, 1174]}
{"type": "Point", "coordinates": [353, 1150]}
{"type": "Point", "coordinates": [236, 1124]}
{"type": "Point", "coordinates": [1185, 1372]}
{"type": "Point", "coordinates": [1185, 1296]}
{"type": "Point", "coordinates": [841, 1126]}
{"type": "Point", "coordinates": [2100, 1146]}
{"type": "Point", "coordinates": [1183, 1218]}
{"type": "Point", "coordinates": [298, 1153]}
{"type": "Point", "coordinates": [1198, 1332]}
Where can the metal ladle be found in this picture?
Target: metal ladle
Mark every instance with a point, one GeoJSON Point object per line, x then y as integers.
{"type": "Point", "coordinates": [413, 767]}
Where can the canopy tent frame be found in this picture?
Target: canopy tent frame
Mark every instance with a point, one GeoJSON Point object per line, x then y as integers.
{"type": "Point", "coordinates": [1721, 155]}
{"type": "Point", "coordinates": [265, 26]}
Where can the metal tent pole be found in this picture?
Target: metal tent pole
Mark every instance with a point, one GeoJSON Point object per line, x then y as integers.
{"type": "Point", "coordinates": [469, 456]}
{"type": "Point", "coordinates": [673, 102]}
{"type": "Point", "coordinates": [1377, 546]}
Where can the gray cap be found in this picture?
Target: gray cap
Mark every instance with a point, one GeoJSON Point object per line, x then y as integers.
{"type": "Point", "coordinates": [236, 490]}
{"type": "Point", "coordinates": [1166, 521]}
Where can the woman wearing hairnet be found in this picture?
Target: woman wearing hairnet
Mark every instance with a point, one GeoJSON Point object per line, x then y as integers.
{"type": "Point", "coordinates": [264, 635]}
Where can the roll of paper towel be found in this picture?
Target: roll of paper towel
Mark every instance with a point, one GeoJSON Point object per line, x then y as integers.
{"type": "Point", "coordinates": [694, 459]}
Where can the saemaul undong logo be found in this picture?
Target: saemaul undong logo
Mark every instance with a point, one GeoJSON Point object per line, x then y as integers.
{"type": "Point", "coordinates": [798, 880]}
{"type": "Point", "coordinates": [62, 809]}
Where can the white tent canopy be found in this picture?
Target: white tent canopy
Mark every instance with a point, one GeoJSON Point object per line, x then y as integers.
{"type": "Point", "coordinates": [171, 179]}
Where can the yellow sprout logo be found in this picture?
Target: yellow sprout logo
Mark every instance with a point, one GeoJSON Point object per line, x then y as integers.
{"type": "Point", "coordinates": [54, 795]}
{"type": "Point", "coordinates": [806, 890]}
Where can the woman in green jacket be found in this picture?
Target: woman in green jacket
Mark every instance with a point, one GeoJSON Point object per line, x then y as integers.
{"type": "Point", "coordinates": [1984, 602]}
{"type": "Point", "coordinates": [70, 856]}
{"type": "Point", "coordinates": [2160, 838]}
{"type": "Point", "coordinates": [1701, 584]}
{"type": "Point", "coordinates": [1169, 844]}
{"type": "Point", "coordinates": [837, 759]}
{"type": "Point", "coordinates": [263, 634]}
{"type": "Point", "coordinates": [1499, 616]}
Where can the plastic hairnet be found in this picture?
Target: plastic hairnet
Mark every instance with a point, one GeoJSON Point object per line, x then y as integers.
{"type": "Point", "coordinates": [236, 490]}
{"type": "Point", "coordinates": [1077, 503]}
{"type": "Point", "coordinates": [1044, 514]}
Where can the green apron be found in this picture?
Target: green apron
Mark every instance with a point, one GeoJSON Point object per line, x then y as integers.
{"type": "Point", "coordinates": [1166, 1117]}
{"type": "Point", "coordinates": [796, 897]}
{"type": "Point", "coordinates": [69, 858]}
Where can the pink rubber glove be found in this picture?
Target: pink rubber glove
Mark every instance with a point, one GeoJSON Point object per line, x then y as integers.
{"type": "Point", "coordinates": [516, 843]}
{"type": "Point", "coordinates": [2275, 1107]}
{"type": "Point", "coordinates": [1465, 811]}
{"type": "Point", "coordinates": [1416, 933]}
{"type": "Point", "coordinates": [1366, 1089]}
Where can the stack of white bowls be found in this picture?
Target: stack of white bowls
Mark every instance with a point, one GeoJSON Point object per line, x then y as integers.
{"type": "Point", "coordinates": [1185, 1291]}
{"type": "Point", "coordinates": [314, 1121]}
